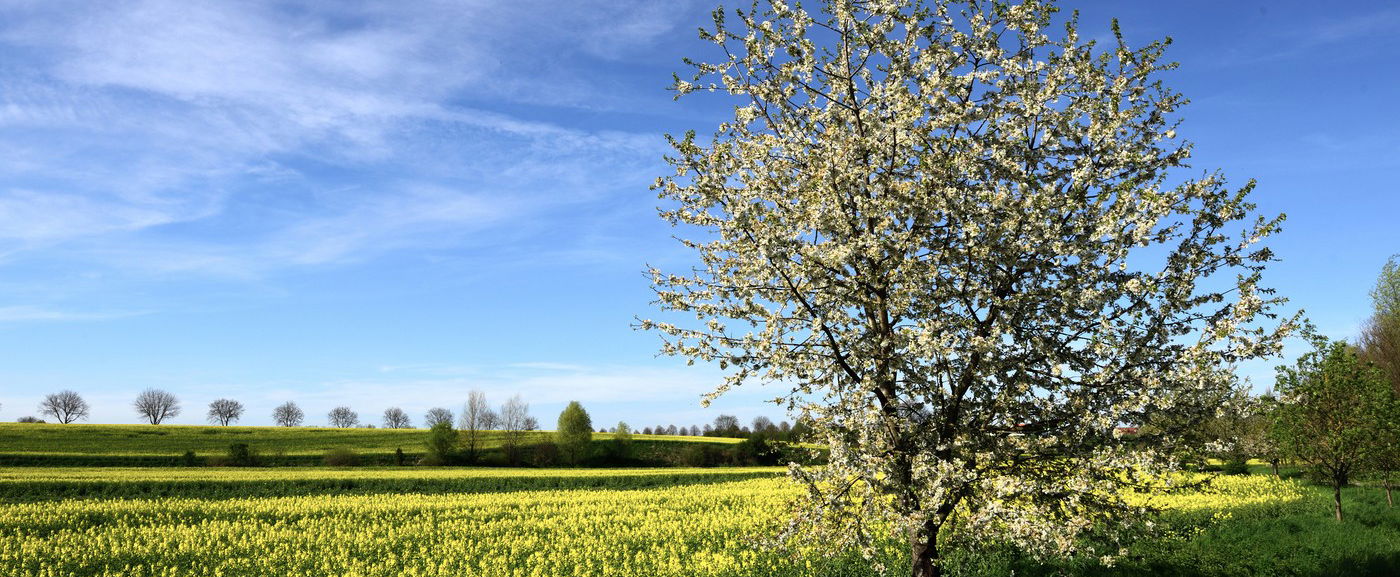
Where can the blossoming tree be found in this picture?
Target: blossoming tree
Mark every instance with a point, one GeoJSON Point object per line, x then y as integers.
{"type": "Point", "coordinates": [953, 241]}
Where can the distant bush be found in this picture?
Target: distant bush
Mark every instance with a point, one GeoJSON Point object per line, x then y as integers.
{"type": "Point", "coordinates": [442, 445]}
{"type": "Point", "coordinates": [398, 456]}
{"type": "Point", "coordinates": [189, 459]}
{"type": "Point", "coordinates": [241, 455]}
{"type": "Point", "coordinates": [341, 458]}
{"type": "Point", "coordinates": [1235, 467]}
{"type": "Point", "coordinates": [30, 419]}
{"type": "Point", "coordinates": [756, 450]}
{"type": "Point", "coordinates": [703, 455]}
{"type": "Point", "coordinates": [544, 454]}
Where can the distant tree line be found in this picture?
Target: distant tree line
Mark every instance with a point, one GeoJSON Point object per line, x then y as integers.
{"type": "Point", "coordinates": [156, 406]}
{"type": "Point", "coordinates": [484, 434]}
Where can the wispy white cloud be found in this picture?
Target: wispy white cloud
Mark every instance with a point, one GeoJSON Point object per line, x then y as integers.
{"type": "Point", "coordinates": [136, 115]}
{"type": "Point", "coordinates": [49, 216]}
{"type": "Point", "coordinates": [1302, 37]}
{"type": "Point", "coordinates": [26, 314]}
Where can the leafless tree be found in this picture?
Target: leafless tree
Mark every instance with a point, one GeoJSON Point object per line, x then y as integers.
{"type": "Point", "coordinates": [288, 414]}
{"type": "Point", "coordinates": [343, 417]}
{"type": "Point", "coordinates": [65, 406]}
{"type": "Point", "coordinates": [437, 415]}
{"type": "Point", "coordinates": [225, 411]}
{"type": "Point", "coordinates": [395, 418]}
{"type": "Point", "coordinates": [514, 415]}
{"type": "Point", "coordinates": [156, 405]}
{"type": "Point", "coordinates": [475, 415]}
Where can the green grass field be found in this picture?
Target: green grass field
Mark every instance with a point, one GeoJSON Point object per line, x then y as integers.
{"type": "Point", "coordinates": [152, 445]}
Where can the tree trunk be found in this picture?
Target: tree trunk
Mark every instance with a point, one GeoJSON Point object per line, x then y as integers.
{"type": "Point", "coordinates": [924, 549]}
{"type": "Point", "coordinates": [1337, 499]}
{"type": "Point", "coordinates": [1386, 481]}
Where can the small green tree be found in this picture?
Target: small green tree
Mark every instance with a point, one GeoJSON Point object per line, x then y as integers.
{"type": "Point", "coordinates": [442, 443]}
{"type": "Point", "coordinates": [575, 433]}
{"type": "Point", "coordinates": [1386, 460]}
{"type": "Point", "coordinates": [621, 446]}
{"type": "Point", "coordinates": [1260, 431]}
{"type": "Point", "coordinates": [1330, 404]}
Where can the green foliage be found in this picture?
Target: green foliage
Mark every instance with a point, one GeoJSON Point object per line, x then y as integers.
{"type": "Point", "coordinates": [1235, 467]}
{"type": "Point", "coordinates": [1386, 294]}
{"type": "Point", "coordinates": [1332, 409]}
{"type": "Point", "coordinates": [544, 454]}
{"type": "Point", "coordinates": [342, 457]}
{"type": "Point", "coordinates": [240, 455]}
{"type": "Point", "coordinates": [574, 434]}
{"type": "Point", "coordinates": [442, 444]}
{"type": "Point", "coordinates": [619, 449]}
{"type": "Point", "coordinates": [189, 459]}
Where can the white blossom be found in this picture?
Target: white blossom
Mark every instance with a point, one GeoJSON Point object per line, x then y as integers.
{"type": "Point", "coordinates": [952, 237]}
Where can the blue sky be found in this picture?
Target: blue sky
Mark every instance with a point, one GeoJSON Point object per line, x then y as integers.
{"type": "Point", "coordinates": [391, 204]}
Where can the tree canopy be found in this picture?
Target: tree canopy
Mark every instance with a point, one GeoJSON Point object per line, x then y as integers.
{"type": "Point", "coordinates": [953, 238]}
{"type": "Point", "coordinates": [575, 432]}
{"type": "Point", "coordinates": [1334, 413]}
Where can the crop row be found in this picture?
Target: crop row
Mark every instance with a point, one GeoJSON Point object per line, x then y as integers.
{"type": "Point", "coordinates": [26, 484]}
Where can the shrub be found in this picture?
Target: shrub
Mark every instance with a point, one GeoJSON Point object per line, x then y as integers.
{"type": "Point", "coordinates": [442, 444]}
{"type": "Point", "coordinates": [189, 459]}
{"type": "Point", "coordinates": [1235, 467]}
{"type": "Point", "coordinates": [398, 456]}
{"type": "Point", "coordinates": [703, 455]}
{"type": "Point", "coordinates": [341, 458]}
{"type": "Point", "coordinates": [240, 455]}
{"type": "Point", "coordinates": [756, 450]}
{"type": "Point", "coordinates": [29, 419]}
{"type": "Point", "coordinates": [544, 454]}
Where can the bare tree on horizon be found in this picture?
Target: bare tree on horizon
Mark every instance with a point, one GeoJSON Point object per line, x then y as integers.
{"type": "Point", "coordinates": [288, 414]}
{"type": "Point", "coordinates": [437, 415]}
{"type": "Point", "coordinates": [156, 405]}
{"type": "Point", "coordinates": [225, 411]}
{"type": "Point", "coordinates": [66, 406]}
{"type": "Point", "coordinates": [395, 418]}
{"type": "Point", "coordinates": [342, 417]}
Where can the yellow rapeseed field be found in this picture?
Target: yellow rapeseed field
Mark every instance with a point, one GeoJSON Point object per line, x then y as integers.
{"type": "Point", "coordinates": [685, 530]}
{"type": "Point", "coordinates": [691, 529]}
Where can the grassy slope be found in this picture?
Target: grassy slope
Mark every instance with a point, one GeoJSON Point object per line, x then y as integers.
{"type": "Point", "coordinates": [71, 444]}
